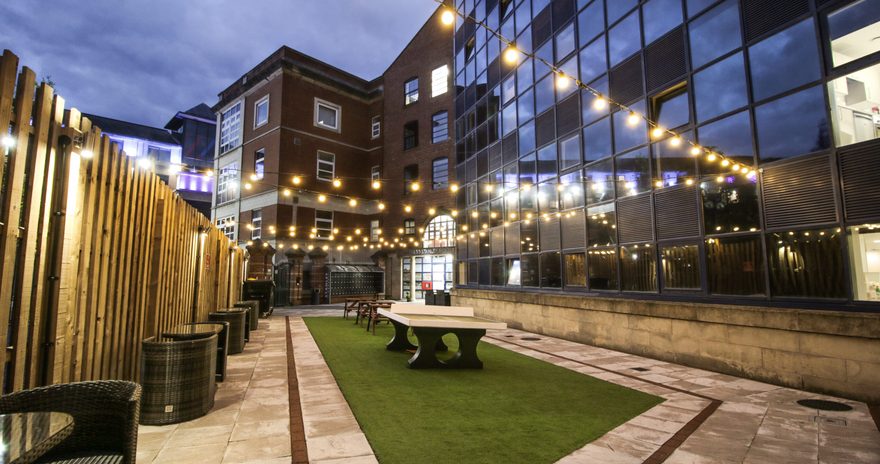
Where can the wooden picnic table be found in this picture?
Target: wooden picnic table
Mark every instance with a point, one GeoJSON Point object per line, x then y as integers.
{"type": "Point", "coordinates": [429, 324]}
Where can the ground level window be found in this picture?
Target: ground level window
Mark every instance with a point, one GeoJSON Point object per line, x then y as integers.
{"type": "Point", "coordinates": [602, 269]}
{"type": "Point", "coordinates": [864, 247]}
{"type": "Point", "coordinates": [551, 274]}
{"type": "Point", "coordinates": [498, 271]}
{"type": "Point", "coordinates": [855, 106]}
{"type": "Point", "coordinates": [806, 263]}
{"type": "Point", "coordinates": [529, 271]}
{"type": "Point", "coordinates": [513, 272]}
{"type": "Point", "coordinates": [681, 267]}
{"type": "Point", "coordinates": [735, 266]}
{"type": "Point", "coordinates": [575, 270]}
{"type": "Point", "coordinates": [638, 268]}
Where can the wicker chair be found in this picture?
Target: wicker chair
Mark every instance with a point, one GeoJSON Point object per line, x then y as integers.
{"type": "Point", "coordinates": [105, 415]}
{"type": "Point", "coordinates": [178, 379]}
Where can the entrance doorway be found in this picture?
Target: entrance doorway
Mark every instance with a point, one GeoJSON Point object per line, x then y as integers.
{"type": "Point", "coordinates": [418, 271]}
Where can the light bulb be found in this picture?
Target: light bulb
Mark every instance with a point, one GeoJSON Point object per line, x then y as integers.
{"type": "Point", "coordinates": [562, 81]}
{"type": "Point", "coordinates": [209, 173]}
{"type": "Point", "coordinates": [381, 206]}
{"type": "Point", "coordinates": [287, 192]}
{"type": "Point", "coordinates": [337, 183]}
{"type": "Point", "coordinates": [511, 54]}
{"type": "Point", "coordinates": [600, 103]}
{"type": "Point", "coordinates": [675, 141]}
{"type": "Point", "coordinates": [322, 198]}
{"type": "Point", "coordinates": [407, 208]}
{"type": "Point", "coordinates": [352, 202]}
{"type": "Point", "coordinates": [297, 180]}
{"type": "Point", "coordinates": [415, 186]}
{"type": "Point", "coordinates": [447, 17]}
{"type": "Point", "coordinates": [8, 141]}
{"type": "Point", "coordinates": [711, 157]}
{"type": "Point", "coordinates": [725, 163]}
{"type": "Point", "coordinates": [432, 211]}
{"type": "Point", "coordinates": [89, 154]}
{"type": "Point", "coordinates": [377, 185]}
{"type": "Point", "coordinates": [633, 119]}
{"type": "Point", "coordinates": [453, 187]}
{"type": "Point", "coordinates": [657, 132]}
{"type": "Point", "coordinates": [696, 151]}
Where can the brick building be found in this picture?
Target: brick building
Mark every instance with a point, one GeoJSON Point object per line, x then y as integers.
{"type": "Point", "coordinates": [304, 177]}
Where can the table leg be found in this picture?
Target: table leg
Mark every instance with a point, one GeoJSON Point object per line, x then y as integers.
{"type": "Point", "coordinates": [466, 357]}
{"type": "Point", "coordinates": [426, 355]}
{"type": "Point", "coordinates": [400, 342]}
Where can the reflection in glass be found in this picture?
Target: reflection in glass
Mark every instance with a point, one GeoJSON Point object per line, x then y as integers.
{"type": "Point", "coordinates": [527, 170]}
{"type": "Point", "coordinates": [575, 270]}
{"type": "Point", "coordinates": [784, 61]}
{"type": "Point", "coordinates": [599, 181]}
{"type": "Point", "coordinates": [601, 225]}
{"type": "Point", "coordinates": [508, 118]}
{"type": "Point", "coordinates": [485, 272]}
{"type": "Point", "coordinates": [681, 267]}
{"type": "Point", "coordinates": [525, 107]}
{"type": "Point", "coordinates": [628, 135]}
{"type": "Point", "coordinates": [730, 204]}
{"type": "Point", "coordinates": [806, 263]}
{"type": "Point", "coordinates": [660, 17]}
{"type": "Point", "coordinates": [617, 8]}
{"type": "Point", "coordinates": [551, 275]}
{"type": "Point", "coordinates": [525, 74]}
{"type": "Point", "coordinates": [633, 173]}
{"type": "Point", "coordinates": [731, 136]}
{"type": "Point", "coordinates": [513, 271]}
{"type": "Point", "coordinates": [508, 89]}
{"type": "Point", "coordinates": [529, 270]}
{"type": "Point", "coordinates": [593, 60]}
{"type": "Point", "coordinates": [715, 33]}
{"type": "Point", "coordinates": [591, 22]}
{"type": "Point", "coordinates": [589, 111]}
{"type": "Point", "coordinates": [570, 152]}
{"type": "Point", "coordinates": [864, 249]}
{"type": "Point", "coordinates": [672, 109]}
{"type": "Point", "coordinates": [735, 266]}
{"type": "Point", "coordinates": [547, 163]}
{"type": "Point", "coordinates": [597, 140]}
{"type": "Point", "coordinates": [565, 42]}
{"type": "Point", "coordinates": [569, 68]}
{"type": "Point", "coordinates": [571, 190]}
{"type": "Point", "coordinates": [602, 269]}
{"type": "Point", "coordinates": [544, 94]}
{"type": "Point", "coordinates": [526, 138]}
{"type": "Point", "coordinates": [852, 30]}
{"type": "Point", "coordinates": [638, 268]}
{"type": "Point", "coordinates": [694, 7]}
{"type": "Point", "coordinates": [793, 125]}
{"type": "Point", "coordinates": [720, 88]}
{"type": "Point", "coordinates": [855, 106]}
{"type": "Point", "coordinates": [673, 164]}
{"type": "Point", "coordinates": [624, 39]}
{"type": "Point", "coordinates": [547, 198]}
{"type": "Point", "coordinates": [498, 271]}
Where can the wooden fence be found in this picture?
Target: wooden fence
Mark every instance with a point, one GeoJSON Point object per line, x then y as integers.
{"type": "Point", "coordinates": [97, 254]}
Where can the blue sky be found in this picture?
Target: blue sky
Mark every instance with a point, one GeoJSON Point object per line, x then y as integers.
{"type": "Point", "coordinates": [143, 60]}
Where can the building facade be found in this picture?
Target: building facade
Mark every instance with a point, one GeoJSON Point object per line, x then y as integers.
{"type": "Point", "coordinates": [195, 128]}
{"type": "Point", "coordinates": [625, 239]}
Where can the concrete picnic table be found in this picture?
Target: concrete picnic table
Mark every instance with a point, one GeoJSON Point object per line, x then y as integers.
{"type": "Point", "coordinates": [429, 324]}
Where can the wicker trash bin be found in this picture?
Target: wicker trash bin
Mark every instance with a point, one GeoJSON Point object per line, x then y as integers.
{"type": "Point", "coordinates": [205, 329]}
{"type": "Point", "coordinates": [236, 317]}
{"type": "Point", "coordinates": [253, 312]}
{"type": "Point", "coordinates": [178, 379]}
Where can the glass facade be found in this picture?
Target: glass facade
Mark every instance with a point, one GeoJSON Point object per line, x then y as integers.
{"type": "Point", "coordinates": [766, 92]}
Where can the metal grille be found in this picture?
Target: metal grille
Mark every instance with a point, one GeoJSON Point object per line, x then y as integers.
{"type": "Point", "coordinates": [563, 10]}
{"type": "Point", "coordinates": [545, 128]}
{"type": "Point", "coordinates": [677, 212]}
{"type": "Point", "coordinates": [542, 27]}
{"type": "Point", "coordinates": [665, 60]}
{"type": "Point", "coordinates": [763, 16]}
{"type": "Point", "coordinates": [568, 115]}
{"type": "Point", "coordinates": [799, 193]}
{"type": "Point", "coordinates": [497, 240]}
{"type": "Point", "coordinates": [549, 234]}
{"type": "Point", "coordinates": [861, 181]}
{"type": "Point", "coordinates": [508, 148]}
{"type": "Point", "coordinates": [573, 230]}
{"type": "Point", "coordinates": [495, 160]}
{"type": "Point", "coordinates": [627, 81]}
{"type": "Point", "coordinates": [511, 239]}
{"type": "Point", "coordinates": [634, 219]}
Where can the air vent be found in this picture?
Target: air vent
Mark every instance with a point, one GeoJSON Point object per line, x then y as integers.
{"type": "Point", "coordinates": [549, 234]}
{"type": "Point", "coordinates": [542, 28]}
{"type": "Point", "coordinates": [677, 212]}
{"type": "Point", "coordinates": [861, 181]}
{"type": "Point", "coordinates": [568, 115]}
{"type": "Point", "coordinates": [573, 230]}
{"type": "Point", "coordinates": [563, 10]}
{"type": "Point", "coordinates": [764, 16]}
{"type": "Point", "coordinates": [511, 239]}
{"type": "Point", "coordinates": [545, 128]}
{"type": "Point", "coordinates": [508, 148]}
{"type": "Point", "coordinates": [665, 60]}
{"type": "Point", "coordinates": [634, 219]}
{"type": "Point", "coordinates": [627, 80]}
{"type": "Point", "coordinates": [799, 193]}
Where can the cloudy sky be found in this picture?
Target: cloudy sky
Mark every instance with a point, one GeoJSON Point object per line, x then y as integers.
{"type": "Point", "coordinates": [143, 60]}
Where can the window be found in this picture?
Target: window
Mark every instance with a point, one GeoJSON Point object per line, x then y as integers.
{"type": "Point", "coordinates": [498, 271]}
{"type": "Point", "coordinates": [715, 33]}
{"type": "Point", "coordinates": [411, 91]}
{"type": "Point", "coordinates": [575, 270]}
{"type": "Point", "coordinates": [599, 181]}
{"type": "Point", "coordinates": [633, 173]}
{"type": "Point", "coordinates": [256, 224]}
{"type": "Point", "coordinates": [410, 135]}
{"type": "Point", "coordinates": [326, 166]}
{"type": "Point", "coordinates": [624, 39]}
{"type": "Point", "coordinates": [784, 61]}
{"type": "Point", "coordinates": [730, 204]}
{"type": "Point", "coordinates": [731, 136]}
{"type": "Point", "coordinates": [672, 165]}
{"type": "Point", "coordinates": [323, 224]}
{"type": "Point", "coordinates": [508, 119]}
{"type": "Point", "coordinates": [328, 115]}
{"type": "Point", "coordinates": [735, 266]}
{"type": "Point", "coordinates": [440, 233]}
{"type": "Point", "coordinates": [261, 112]}
{"type": "Point", "coordinates": [547, 163]}
{"type": "Point", "coordinates": [570, 152]}
{"type": "Point", "coordinates": [660, 17]}
{"type": "Point", "coordinates": [551, 272]}
{"type": "Point", "coordinates": [375, 173]}
{"type": "Point", "coordinates": [227, 183]}
{"type": "Point", "coordinates": [638, 268]}
{"type": "Point", "coordinates": [159, 154]}
{"type": "Point", "coordinates": [601, 225]}
{"type": "Point", "coordinates": [565, 42]}
{"type": "Point", "coordinates": [593, 60]}
{"type": "Point", "coordinates": [681, 267]}
{"type": "Point", "coordinates": [793, 125]}
{"type": "Point", "coordinates": [376, 127]}
{"type": "Point", "coordinates": [259, 163]}
{"type": "Point", "coordinates": [410, 175]}
{"type": "Point", "coordinates": [440, 127]}
{"type": "Point", "coordinates": [440, 173]}
{"type": "Point", "coordinates": [806, 263]}
{"type": "Point", "coordinates": [671, 109]}
{"type": "Point", "coordinates": [602, 269]}
{"type": "Point", "coordinates": [230, 128]}
{"type": "Point", "coordinates": [618, 8]}
{"type": "Point", "coordinates": [855, 106]}
{"type": "Point", "coordinates": [628, 136]}
{"type": "Point", "coordinates": [529, 270]}
{"type": "Point", "coordinates": [226, 225]}
{"type": "Point", "coordinates": [852, 30]}
{"type": "Point", "coordinates": [571, 190]}
{"type": "Point", "coordinates": [409, 226]}
{"type": "Point", "coordinates": [597, 141]}
{"type": "Point", "coordinates": [591, 22]}
{"type": "Point", "coordinates": [720, 88]}
{"type": "Point", "coordinates": [513, 271]}
{"type": "Point", "coordinates": [375, 231]}
{"type": "Point", "coordinates": [864, 248]}
{"type": "Point", "coordinates": [439, 81]}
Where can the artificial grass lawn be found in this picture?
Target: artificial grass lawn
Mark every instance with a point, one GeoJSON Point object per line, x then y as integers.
{"type": "Point", "coordinates": [515, 410]}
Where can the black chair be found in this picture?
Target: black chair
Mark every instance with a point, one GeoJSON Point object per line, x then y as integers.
{"type": "Point", "coordinates": [105, 419]}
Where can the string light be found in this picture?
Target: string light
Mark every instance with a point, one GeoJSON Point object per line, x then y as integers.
{"type": "Point", "coordinates": [453, 187]}
{"type": "Point", "coordinates": [562, 81]}
{"type": "Point", "coordinates": [432, 211]}
{"type": "Point", "coordinates": [376, 185]}
{"type": "Point", "coordinates": [415, 186]}
{"type": "Point", "coordinates": [322, 198]}
{"type": "Point", "coordinates": [209, 173]}
{"type": "Point", "coordinates": [407, 208]}
{"type": "Point", "coordinates": [337, 183]}
{"type": "Point", "coordinates": [600, 103]}
{"type": "Point", "coordinates": [89, 154]}
{"type": "Point", "coordinates": [381, 206]}
{"type": "Point", "coordinates": [352, 202]}
{"type": "Point", "coordinates": [675, 141]}
{"type": "Point", "coordinates": [511, 54]}
{"type": "Point", "coordinates": [657, 132]}
{"type": "Point", "coordinates": [447, 17]}
{"type": "Point", "coordinates": [696, 151]}
{"type": "Point", "coordinates": [632, 119]}
{"type": "Point", "coordinates": [8, 141]}
{"type": "Point", "coordinates": [287, 192]}
{"type": "Point", "coordinates": [296, 180]}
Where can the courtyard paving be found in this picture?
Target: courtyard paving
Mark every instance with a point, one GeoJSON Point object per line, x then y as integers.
{"type": "Point", "coordinates": [707, 417]}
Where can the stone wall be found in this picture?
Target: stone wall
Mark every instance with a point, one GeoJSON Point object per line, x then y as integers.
{"type": "Point", "coordinates": [822, 351]}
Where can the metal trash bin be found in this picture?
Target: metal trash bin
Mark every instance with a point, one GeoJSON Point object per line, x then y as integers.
{"type": "Point", "coordinates": [262, 291]}
{"type": "Point", "coordinates": [429, 297]}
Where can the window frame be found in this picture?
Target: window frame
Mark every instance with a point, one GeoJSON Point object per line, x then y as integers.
{"type": "Point", "coordinates": [257, 123]}
{"type": "Point", "coordinates": [226, 176]}
{"type": "Point", "coordinates": [375, 127]}
{"type": "Point", "coordinates": [441, 185]}
{"type": "Point", "coordinates": [375, 173]}
{"type": "Point", "coordinates": [415, 137]}
{"type": "Point", "coordinates": [332, 106]}
{"type": "Point", "coordinates": [230, 123]}
{"type": "Point", "coordinates": [409, 226]}
{"type": "Point", "coordinates": [260, 163]}
{"type": "Point", "coordinates": [440, 76]}
{"type": "Point", "coordinates": [444, 131]}
{"type": "Point", "coordinates": [256, 224]}
{"type": "Point", "coordinates": [320, 228]}
{"type": "Point", "coordinates": [411, 97]}
{"type": "Point", "coordinates": [332, 164]}
{"type": "Point", "coordinates": [375, 227]}
{"type": "Point", "coordinates": [225, 227]}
